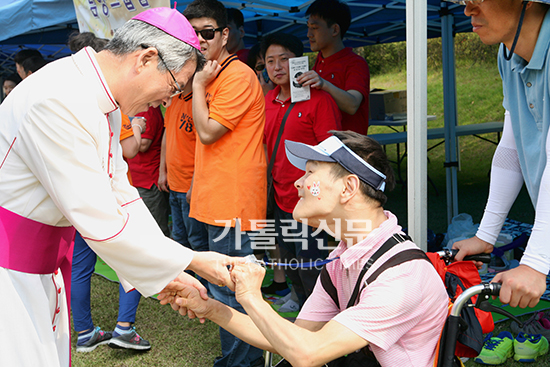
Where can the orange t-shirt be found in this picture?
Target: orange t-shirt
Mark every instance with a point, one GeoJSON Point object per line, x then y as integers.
{"type": "Point", "coordinates": [230, 174]}
{"type": "Point", "coordinates": [180, 143]}
{"type": "Point", "coordinates": [126, 128]}
{"type": "Point", "coordinates": [125, 132]}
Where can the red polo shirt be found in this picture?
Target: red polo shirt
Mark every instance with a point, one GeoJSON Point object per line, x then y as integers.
{"type": "Point", "coordinates": [242, 54]}
{"type": "Point", "coordinates": [144, 167]}
{"type": "Point", "coordinates": [309, 122]}
{"type": "Point", "coordinates": [348, 71]}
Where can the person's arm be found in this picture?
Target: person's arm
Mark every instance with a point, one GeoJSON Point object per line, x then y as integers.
{"type": "Point", "coordinates": [163, 174]}
{"type": "Point", "coordinates": [145, 145]}
{"type": "Point", "coordinates": [322, 343]}
{"type": "Point", "coordinates": [189, 302]}
{"type": "Point", "coordinates": [348, 101]}
{"type": "Point", "coordinates": [131, 145]}
{"type": "Point", "coordinates": [506, 182]}
{"type": "Point", "coordinates": [522, 286]}
{"type": "Point", "coordinates": [537, 253]}
{"type": "Point", "coordinates": [305, 343]}
{"type": "Point", "coordinates": [208, 129]}
{"type": "Point", "coordinates": [96, 198]}
{"type": "Point", "coordinates": [190, 191]}
{"type": "Point", "coordinates": [525, 284]}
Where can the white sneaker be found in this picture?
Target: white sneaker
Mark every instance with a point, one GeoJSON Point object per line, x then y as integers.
{"type": "Point", "coordinates": [289, 306]}
{"type": "Point", "coordinates": [282, 301]}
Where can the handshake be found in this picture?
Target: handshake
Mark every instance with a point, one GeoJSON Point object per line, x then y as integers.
{"type": "Point", "coordinates": [188, 296]}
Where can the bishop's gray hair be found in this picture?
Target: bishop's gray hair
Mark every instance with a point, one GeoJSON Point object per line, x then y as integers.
{"type": "Point", "coordinates": [135, 34]}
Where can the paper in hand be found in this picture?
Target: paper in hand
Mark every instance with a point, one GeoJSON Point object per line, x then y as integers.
{"type": "Point", "coordinates": [298, 66]}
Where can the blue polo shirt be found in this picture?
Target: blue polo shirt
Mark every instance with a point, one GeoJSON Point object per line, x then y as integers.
{"type": "Point", "coordinates": [526, 89]}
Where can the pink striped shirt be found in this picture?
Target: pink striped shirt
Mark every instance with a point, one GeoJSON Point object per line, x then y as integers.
{"type": "Point", "coordinates": [401, 314]}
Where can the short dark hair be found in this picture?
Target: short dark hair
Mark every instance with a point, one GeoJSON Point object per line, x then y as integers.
{"type": "Point", "coordinates": [253, 54]}
{"type": "Point", "coordinates": [25, 54]}
{"type": "Point", "coordinates": [288, 41]}
{"type": "Point", "coordinates": [235, 16]}
{"type": "Point", "coordinates": [373, 153]}
{"type": "Point", "coordinates": [14, 78]}
{"type": "Point", "coordinates": [207, 9]}
{"type": "Point", "coordinates": [77, 41]}
{"type": "Point", "coordinates": [332, 12]}
{"type": "Point", "coordinates": [33, 63]}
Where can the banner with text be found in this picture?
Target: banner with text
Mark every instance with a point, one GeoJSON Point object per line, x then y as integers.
{"type": "Point", "coordinates": [104, 17]}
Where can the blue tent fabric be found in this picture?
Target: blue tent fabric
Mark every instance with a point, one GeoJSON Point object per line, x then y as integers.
{"type": "Point", "coordinates": [24, 16]}
{"type": "Point", "coordinates": [47, 24]}
{"type": "Point", "coordinates": [373, 21]}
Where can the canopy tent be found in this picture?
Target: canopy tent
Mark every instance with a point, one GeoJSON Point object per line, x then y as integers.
{"type": "Point", "coordinates": [46, 25]}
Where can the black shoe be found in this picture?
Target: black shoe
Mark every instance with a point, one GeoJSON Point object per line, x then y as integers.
{"type": "Point", "coordinates": [280, 289]}
{"type": "Point", "coordinates": [260, 362]}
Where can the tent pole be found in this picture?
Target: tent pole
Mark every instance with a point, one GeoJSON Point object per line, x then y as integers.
{"type": "Point", "coordinates": [450, 114]}
{"type": "Point", "coordinates": [417, 107]}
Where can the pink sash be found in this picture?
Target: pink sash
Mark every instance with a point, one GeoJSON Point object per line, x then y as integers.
{"type": "Point", "coordinates": [33, 247]}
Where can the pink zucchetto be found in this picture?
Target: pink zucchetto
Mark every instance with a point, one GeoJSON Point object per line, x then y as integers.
{"type": "Point", "coordinates": [172, 22]}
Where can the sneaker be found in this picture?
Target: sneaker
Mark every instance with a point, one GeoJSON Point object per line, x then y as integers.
{"type": "Point", "coordinates": [538, 324]}
{"type": "Point", "coordinates": [289, 306]}
{"type": "Point", "coordinates": [279, 289]}
{"type": "Point", "coordinates": [98, 337]}
{"type": "Point", "coordinates": [528, 347]}
{"type": "Point", "coordinates": [498, 264]}
{"type": "Point", "coordinates": [130, 340]}
{"type": "Point", "coordinates": [496, 349]}
{"type": "Point", "coordinates": [282, 301]}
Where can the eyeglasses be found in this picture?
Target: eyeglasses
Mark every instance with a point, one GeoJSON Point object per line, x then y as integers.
{"type": "Point", "coordinates": [178, 89]}
{"type": "Point", "coordinates": [209, 33]}
{"type": "Point", "coordinates": [465, 2]}
{"type": "Point", "coordinates": [259, 67]}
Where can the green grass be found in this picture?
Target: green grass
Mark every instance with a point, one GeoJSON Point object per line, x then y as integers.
{"type": "Point", "coordinates": [177, 341]}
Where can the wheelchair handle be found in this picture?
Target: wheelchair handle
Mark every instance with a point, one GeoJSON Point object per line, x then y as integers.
{"type": "Point", "coordinates": [485, 290]}
{"type": "Point", "coordinates": [449, 255]}
{"type": "Point", "coordinates": [484, 258]}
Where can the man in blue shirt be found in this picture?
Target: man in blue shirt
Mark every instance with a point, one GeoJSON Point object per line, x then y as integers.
{"type": "Point", "coordinates": [523, 29]}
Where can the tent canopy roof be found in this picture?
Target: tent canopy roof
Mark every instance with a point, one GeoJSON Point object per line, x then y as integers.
{"type": "Point", "coordinates": [47, 24]}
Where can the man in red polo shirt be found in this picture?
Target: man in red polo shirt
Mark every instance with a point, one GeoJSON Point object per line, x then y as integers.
{"type": "Point", "coordinates": [338, 70]}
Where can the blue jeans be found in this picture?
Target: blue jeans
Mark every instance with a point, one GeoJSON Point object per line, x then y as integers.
{"type": "Point", "coordinates": [303, 279]}
{"type": "Point", "coordinates": [84, 260]}
{"type": "Point", "coordinates": [235, 352]}
{"type": "Point", "coordinates": [185, 230]}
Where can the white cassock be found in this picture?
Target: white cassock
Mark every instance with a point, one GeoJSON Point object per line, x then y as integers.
{"type": "Point", "coordinates": [60, 166]}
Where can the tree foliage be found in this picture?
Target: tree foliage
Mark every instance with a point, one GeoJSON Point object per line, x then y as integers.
{"type": "Point", "coordinates": [389, 57]}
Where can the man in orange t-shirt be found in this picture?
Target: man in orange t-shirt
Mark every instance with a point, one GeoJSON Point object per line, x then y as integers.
{"type": "Point", "coordinates": [229, 184]}
{"type": "Point", "coordinates": [176, 170]}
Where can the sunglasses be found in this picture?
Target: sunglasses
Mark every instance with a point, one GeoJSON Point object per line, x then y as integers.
{"type": "Point", "coordinates": [178, 90]}
{"type": "Point", "coordinates": [209, 33]}
{"type": "Point", "coordinates": [259, 67]}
